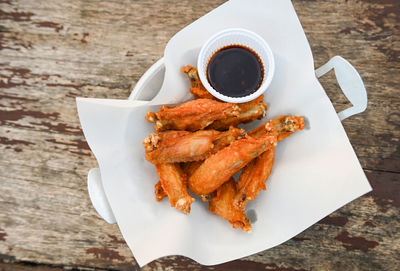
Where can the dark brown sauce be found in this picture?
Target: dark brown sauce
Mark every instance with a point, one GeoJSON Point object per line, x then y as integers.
{"type": "Point", "coordinates": [235, 71]}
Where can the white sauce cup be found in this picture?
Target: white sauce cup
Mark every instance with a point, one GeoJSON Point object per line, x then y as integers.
{"type": "Point", "coordinates": [241, 37]}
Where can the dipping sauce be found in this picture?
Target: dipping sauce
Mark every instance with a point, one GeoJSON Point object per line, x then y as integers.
{"type": "Point", "coordinates": [235, 71]}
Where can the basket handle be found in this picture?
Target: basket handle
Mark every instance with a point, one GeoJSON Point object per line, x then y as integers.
{"type": "Point", "coordinates": [98, 197]}
{"type": "Point", "coordinates": [350, 83]}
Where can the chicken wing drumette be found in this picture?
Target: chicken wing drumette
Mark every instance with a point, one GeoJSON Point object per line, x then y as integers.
{"type": "Point", "coordinates": [256, 173]}
{"type": "Point", "coordinates": [174, 183]}
{"type": "Point", "coordinates": [220, 167]}
{"type": "Point", "coordinates": [191, 116]}
{"type": "Point", "coordinates": [181, 146]}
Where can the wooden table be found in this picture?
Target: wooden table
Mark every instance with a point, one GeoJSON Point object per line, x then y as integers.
{"type": "Point", "coordinates": [54, 51]}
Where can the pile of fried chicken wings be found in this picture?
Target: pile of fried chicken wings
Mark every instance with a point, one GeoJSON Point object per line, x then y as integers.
{"type": "Point", "coordinates": [198, 147]}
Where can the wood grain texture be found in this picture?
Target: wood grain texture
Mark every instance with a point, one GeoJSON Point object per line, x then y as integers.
{"type": "Point", "coordinates": [54, 51]}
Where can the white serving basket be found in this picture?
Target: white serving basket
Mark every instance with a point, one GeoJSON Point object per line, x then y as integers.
{"type": "Point", "coordinates": [149, 84]}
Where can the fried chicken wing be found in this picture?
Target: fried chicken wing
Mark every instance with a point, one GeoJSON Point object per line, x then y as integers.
{"type": "Point", "coordinates": [253, 178]}
{"type": "Point", "coordinates": [281, 127]}
{"type": "Point", "coordinates": [167, 147]}
{"type": "Point", "coordinates": [256, 173]}
{"type": "Point", "coordinates": [188, 168]}
{"type": "Point", "coordinates": [197, 89]}
{"type": "Point", "coordinates": [221, 204]}
{"type": "Point", "coordinates": [255, 109]}
{"type": "Point", "coordinates": [219, 167]}
{"type": "Point", "coordinates": [174, 184]}
{"type": "Point", "coordinates": [191, 116]}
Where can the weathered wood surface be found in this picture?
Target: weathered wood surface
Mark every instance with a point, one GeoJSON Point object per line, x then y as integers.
{"type": "Point", "coordinates": [53, 51]}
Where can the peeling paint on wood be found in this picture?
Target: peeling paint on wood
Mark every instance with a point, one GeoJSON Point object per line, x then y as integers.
{"type": "Point", "coordinates": [2, 235]}
{"type": "Point", "coordinates": [57, 27]}
{"type": "Point", "coordinates": [351, 243]}
{"type": "Point", "coordinates": [386, 188]}
{"type": "Point", "coordinates": [334, 220]}
{"type": "Point", "coordinates": [105, 253]}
